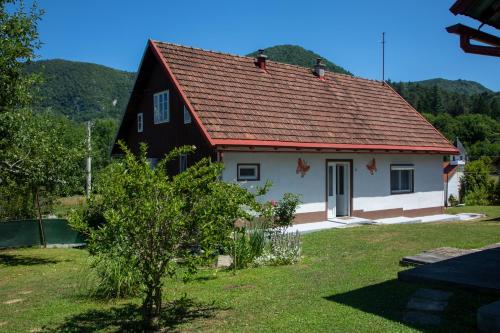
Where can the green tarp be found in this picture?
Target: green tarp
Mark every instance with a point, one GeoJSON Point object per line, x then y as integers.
{"type": "Point", "coordinates": [26, 233]}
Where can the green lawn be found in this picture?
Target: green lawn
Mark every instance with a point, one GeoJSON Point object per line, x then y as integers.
{"type": "Point", "coordinates": [346, 282]}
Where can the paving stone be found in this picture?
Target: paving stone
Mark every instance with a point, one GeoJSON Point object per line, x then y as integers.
{"type": "Point", "coordinates": [488, 318]}
{"type": "Point", "coordinates": [433, 294]}
{"type": "Point", "coordinates": [422, 318]}
{"type": "Point", "coordinates": [426, 305]}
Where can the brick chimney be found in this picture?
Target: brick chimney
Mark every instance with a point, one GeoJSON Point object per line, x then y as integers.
{"type": "Point", "coordinates": [319, 69]}
{"type": "Point", "coordinates": [260, 61]}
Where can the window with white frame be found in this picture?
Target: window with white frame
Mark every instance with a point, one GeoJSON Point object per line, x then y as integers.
{"type": "Point", "coordinates": [183, 162]}
{"type": "Point", "coordinates": [187, 116]}
{"type": "Point", "coordinates": [402, 178]}
{"type": "Point", "coordinates": [140, 122]}
{"type": "Point", "coordinates": [161, 107]}
{"type": "Point", "coordinates": [248, 171]}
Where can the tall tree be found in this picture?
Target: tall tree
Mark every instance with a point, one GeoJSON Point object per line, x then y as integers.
{"type": "Point", "coordinates": [18, 42]}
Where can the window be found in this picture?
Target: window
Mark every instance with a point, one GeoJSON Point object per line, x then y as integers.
{"type": "Point", "coordinates": [248, 172]}
{"type": "Point", "coordinates": [183, 162]}
{"type": "Point", "coordinates": [187, 116]}
{"type": "Point", "coordinates": [161, 107]}
{"type": "Point", "coordinates": [140, 122]}
{"type": "Point", "coordinates": [152, 162]}
{"type": "Point", "coordinates": [402, 179]}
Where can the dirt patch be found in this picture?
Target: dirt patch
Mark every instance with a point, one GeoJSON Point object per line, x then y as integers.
{"type": "Point", "coordinates": [25, 292]}
{"type": "Point", "coordinates": [13, 301]}
{"type": "Point", "coordinates": [234, 286]}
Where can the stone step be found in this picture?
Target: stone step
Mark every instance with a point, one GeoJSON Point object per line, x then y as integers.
{"type": "Point", "coordinates": [421, 304]}
{"type": "Point", "coordinates": [488, 318]}
{"type": "Point", "coordinates": [422, 318]}
{"type": "Point", "coordinates": [432, 294]}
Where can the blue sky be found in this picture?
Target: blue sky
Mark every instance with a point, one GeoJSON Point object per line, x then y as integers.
{"type": "Point", "coordinates": [114, 33]}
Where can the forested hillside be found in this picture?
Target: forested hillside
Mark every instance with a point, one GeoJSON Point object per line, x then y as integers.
{"type": "Point", "coordinates": [82, 91]}
{"type": "Point", "coordinates": [297, 55]}
{"type": "Point", "coordinates": [472, 117]}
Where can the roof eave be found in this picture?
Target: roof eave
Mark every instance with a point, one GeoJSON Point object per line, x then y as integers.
{"type": "Point", "coordinates": [231, 144]}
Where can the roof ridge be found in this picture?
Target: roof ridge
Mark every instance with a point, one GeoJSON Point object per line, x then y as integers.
{"type": "Point", "coordinates": [273, 61]}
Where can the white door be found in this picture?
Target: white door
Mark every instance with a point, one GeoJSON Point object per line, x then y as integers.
{"type": "Point", "coordinates": [338, 189]}
{"type": "Point", "coordinates": [331, 179]}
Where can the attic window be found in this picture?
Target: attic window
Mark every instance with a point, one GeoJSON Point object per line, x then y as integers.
{"type": "Point", "coordinates": [161, 107]}
{"type": "Point", "coordinates": [187, 116]}
{"type": "Point", "coordinates": [140, 122]}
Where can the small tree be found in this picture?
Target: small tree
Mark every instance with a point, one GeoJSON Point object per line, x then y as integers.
{"type": "Point", "coordinates": [476, 186]}
{"type": "Point", "coordinates": [159, 223]}
{"type": "Point", "coordinates": [40, 158]}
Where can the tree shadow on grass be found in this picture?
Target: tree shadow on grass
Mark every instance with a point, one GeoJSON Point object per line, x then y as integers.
{"type": "Point", "coordinates": [127, 318]}
{"type": "Point", "coordinates": [20, 260]}
{"type": "Point", "coordinates": [389, 299]}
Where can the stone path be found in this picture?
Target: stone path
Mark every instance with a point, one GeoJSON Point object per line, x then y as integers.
{"type": "Point", "coordinates": [426, 306]}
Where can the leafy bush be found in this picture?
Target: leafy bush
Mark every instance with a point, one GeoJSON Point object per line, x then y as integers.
{"type": "Point", "coordinates": [476, 186]}
{"type": "Point", "coordinates": [478, 197]}
{"type": "Point", "coordinates": [113, 276]}
{"type": "Point", "coordinates": [248, 244]}
{"type": "Point", "coordinates": [267, 242]}
{"type": "Point", "coordinates": [284, 211]}
{"type": "Point", "coordinates": [452, 200]}
{"type": "Point", "coordinates": [284, 249]}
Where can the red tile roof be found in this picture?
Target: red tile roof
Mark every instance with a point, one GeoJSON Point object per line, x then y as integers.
{"type": "Point", "coordinates": [236, 103]}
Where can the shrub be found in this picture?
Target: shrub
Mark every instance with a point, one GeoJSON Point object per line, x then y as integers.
{"type": "Point", "coordinates": [248, 244]}
{"type": "Point", "coordinates": [284, 210]}
{"type": "Point", "coordinates": [284, 249]}
{"type": "Point", "coordinates": [452, 200]}
{"type": "Point", "coordinates": [476, 186]}
{"type": "Point", "coordinates": [112, 277]}
{"type": "Point", "coordinates": [479, 197]}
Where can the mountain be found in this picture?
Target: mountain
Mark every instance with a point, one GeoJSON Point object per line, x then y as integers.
{"type": "Point", "coordinates": [82, 91]}
{"type": "Point", "coordinates": [297, 55]}
{"type": "Point", "coordinates": [455, 86]}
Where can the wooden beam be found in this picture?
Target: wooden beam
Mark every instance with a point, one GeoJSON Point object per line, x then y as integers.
{"type": "Point", "coordinates": [467, 34]}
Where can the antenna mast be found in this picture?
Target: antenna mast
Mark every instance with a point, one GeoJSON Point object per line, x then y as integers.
{"type": "Point", "coordinates": [383, 57]}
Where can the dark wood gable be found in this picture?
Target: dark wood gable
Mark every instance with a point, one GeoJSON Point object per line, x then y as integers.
{"type": "Point", "coordinates": [160, 138]}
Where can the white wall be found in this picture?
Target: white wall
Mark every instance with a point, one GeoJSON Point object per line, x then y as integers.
{"type": "Point", "coordinates": [370, 192]}
{"type": "Point", "coordinates": [454, 185]}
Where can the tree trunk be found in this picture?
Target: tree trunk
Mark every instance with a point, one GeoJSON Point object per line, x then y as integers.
{"type": "Point", "coordinates": [40, 222]}
{"type": "Point", "coordinates": [151, 307]}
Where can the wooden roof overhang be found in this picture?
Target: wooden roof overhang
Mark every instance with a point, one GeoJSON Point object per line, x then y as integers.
{"type": "Point", "coordinates": [256, 146]}
{"type": "Point", "coordinates": [486, 12]}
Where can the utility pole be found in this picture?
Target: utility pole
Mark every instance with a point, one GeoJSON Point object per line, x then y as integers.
{"type": "Point", "coordinates": [383, 57]}
{"type": "Point", "coordinates": [89, 159]}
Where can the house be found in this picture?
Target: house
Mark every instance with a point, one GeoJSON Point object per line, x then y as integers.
{"type": "Point", "coordinates": [453, 171]}
{"type": "Point", "coordinates": [348, 146]}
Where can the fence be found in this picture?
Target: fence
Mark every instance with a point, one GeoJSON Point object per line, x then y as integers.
{"type": "Point", "coordinates": [20, 233]}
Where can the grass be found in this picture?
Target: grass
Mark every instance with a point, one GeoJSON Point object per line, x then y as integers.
{"type": "Point", "coordinates": [346, 282]}
{"type": "Point", "coordinates": [63, 206]}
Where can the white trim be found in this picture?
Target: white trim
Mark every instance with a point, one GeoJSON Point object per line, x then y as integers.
{"type": "Point", "coordinates": [187, 116]}
{"type": "Point", "coordinates": [140, 122]}
{"type": "Point", "coordinates": [156, 111]}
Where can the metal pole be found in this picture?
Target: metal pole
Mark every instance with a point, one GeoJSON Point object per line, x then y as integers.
{"type": "Point", "coordinates": [383, 57]}
{"type": "Point", "coordinates": [89, 160]}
